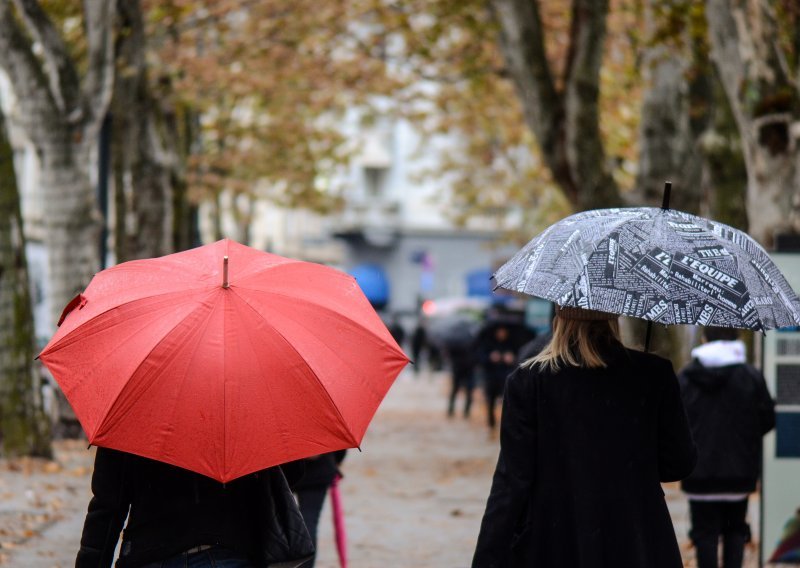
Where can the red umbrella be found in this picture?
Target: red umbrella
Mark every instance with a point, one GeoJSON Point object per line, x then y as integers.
{"type": "Point", "coordinates": [170, 359]}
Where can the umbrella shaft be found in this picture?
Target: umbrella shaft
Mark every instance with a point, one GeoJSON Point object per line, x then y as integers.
{"type": "Point", "coordinates": [647, 336]}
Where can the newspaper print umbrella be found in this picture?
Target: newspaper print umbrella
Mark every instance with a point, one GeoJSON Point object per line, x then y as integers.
{"type": "Point", "coordinates": [657, 264]}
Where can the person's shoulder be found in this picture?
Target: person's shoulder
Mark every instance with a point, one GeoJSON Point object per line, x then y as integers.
{"type": "Point", "coordinates": [527, 375]}
{"type": "Point", "coordinates": [650, 359]}
{"type": "Point", "coordinates": [649, 364]}
{"type": "Point", "coordinates": [752, 374]}
{"type": "Point", "coordinates": [522, 380]}
{"type": "Point", "coordinates": [752, 370]}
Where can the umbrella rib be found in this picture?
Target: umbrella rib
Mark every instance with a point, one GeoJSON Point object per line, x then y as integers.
{"type": "Point", "coordinates": [316, 306]}
{"type": "Point", "coordinates": [63, 342]}
{"type": "Point", "coordinates": [243, 285]}
{"type": "Point", "coordinates": [603, 235]}
{"type": "Point", "coordinates": [313, 372]}
{"type": "Point", "coordinates": [282, 424]}
{"type": "Point", "coordinates": [114, 401]}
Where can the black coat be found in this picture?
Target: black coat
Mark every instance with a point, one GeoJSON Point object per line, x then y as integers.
{"type": "Point", "coordinates": [730, 409]}
{"type": "Point", "coordinates": [488, 343]}
{"type": "Point", "coordinates": [583, 452]}
{"type": "Point", "coordinates": [320, 470]}
{"type": "Point", "coordinates": [172, 510]}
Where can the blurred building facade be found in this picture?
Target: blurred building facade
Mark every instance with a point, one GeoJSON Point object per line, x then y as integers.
{"type": "Point", "coordinates": [394, 224]}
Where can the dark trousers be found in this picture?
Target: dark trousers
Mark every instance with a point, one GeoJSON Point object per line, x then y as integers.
{"type": "Point", "coordinates": [712, 520]}
{"type": "Point", "coordinates": [494, 393]}
{"type": "Point", "coordinates": [462, 380]}
{"type": "Point", "coordinates": [311, 500]}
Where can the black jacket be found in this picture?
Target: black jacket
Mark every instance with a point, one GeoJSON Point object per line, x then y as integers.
{"type": "Point", "coordinates": [583, 452]}
{"type": "Point", "coordinates": [320, 470]}
{"type": "Point", "coordinates": [487, 343]}
{"type": "Point", "coordinates": [729, 409]}
{"type": "Point", "coordinates": [171, 510]}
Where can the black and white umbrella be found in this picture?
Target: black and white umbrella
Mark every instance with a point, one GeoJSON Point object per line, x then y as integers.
{"type": "Point", "coordinates": [660, 265]}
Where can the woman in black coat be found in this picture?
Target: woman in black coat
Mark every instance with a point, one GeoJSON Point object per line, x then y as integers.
{"type": "Point", "coordinates": [589, 430]}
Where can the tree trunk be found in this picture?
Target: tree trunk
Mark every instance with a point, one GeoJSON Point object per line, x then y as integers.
{"type": "Point", "coordinates": [725, 173]}
{"type": "Point", "coordinates": [216, 215]}
{"type": "Point", "coordinates": [71, 219]}
{"type": "Point", "coordinates": [670, 130]}
{"type": "Point", "coordinates": [142, 176]}
{"type": "Point", "coordinates": [763, 95]}
{"type": "Point", "coordinates": [61, 115]}
{"type": "Point", "coordinates": [565, 120]}
{"type": "Point", "coordinates": [182, 126]}
{"type": "Point", "coordinates": [23, 425]}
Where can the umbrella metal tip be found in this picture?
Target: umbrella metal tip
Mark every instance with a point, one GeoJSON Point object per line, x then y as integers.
{"type": "Point", "coordinates": [667, 191]}
{"type": "Point", "coordinates": [225, 283]}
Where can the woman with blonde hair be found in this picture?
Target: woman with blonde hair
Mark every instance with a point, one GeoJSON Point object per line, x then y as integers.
{"type": "Point", "coordinates": [588, 432]}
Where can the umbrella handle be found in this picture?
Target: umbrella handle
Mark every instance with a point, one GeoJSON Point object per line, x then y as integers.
{"type": "Point", "coordinates": [339, 530]}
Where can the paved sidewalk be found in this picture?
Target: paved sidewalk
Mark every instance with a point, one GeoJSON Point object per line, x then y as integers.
{"type": "Point", "coordinates": [42, 506]}
{"type": "Point", "coordinates": [413, 497]}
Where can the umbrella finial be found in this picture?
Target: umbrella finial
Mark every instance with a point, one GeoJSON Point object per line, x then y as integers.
{"type": "Point", "coordinates": [225, 283]}
{"type": "Point", "coordinates": [667, 190]}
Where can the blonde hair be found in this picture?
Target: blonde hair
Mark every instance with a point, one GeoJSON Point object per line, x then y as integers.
{"type": "Point", "coordinates": [576, 343]}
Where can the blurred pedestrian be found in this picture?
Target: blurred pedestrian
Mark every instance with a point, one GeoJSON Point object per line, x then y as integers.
{"type": "Point", "coordinates": [496, 347]}
{"type": "Point", "coordinates": [589, 430]}
{"type": "Point", "coordinates": [313, 487]}
{"type": "Point", "coordinates": [178, 518]}
{"type": "Point", "coordinates": [418, 343]}
{"type": "Point", "coordinates": [730, 410]}
{"type": "Point", "coordinates": [397, 330]}
{"type": "Point", "coordinates": [535, 346]}
{"type": "Point", "coordinates": [462, 371]}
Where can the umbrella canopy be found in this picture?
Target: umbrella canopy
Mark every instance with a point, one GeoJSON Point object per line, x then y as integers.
{"type": "Point", "coordinates": [453, 331]}
{"type": "Point", "coordinates": [788, 549]}
{"type": "Point", "coordinates": [171, 359]}
{"type": "Point", "coordinates": [660, 265]}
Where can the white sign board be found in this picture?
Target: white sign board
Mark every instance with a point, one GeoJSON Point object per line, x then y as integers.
{"type": "Point", "coordinates": [780, 498]}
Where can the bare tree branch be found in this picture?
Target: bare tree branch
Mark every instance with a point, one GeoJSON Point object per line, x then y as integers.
{"type": "Point", "coordinates": [17, 59]}
{"type": "Point", "coordinates": [566, 124]}
{"type": "Point", "coordinates": [99, 81]}
{"type": "Point", "coordinates": [61, 72]}
{"type": "Point", "coordinates": [726, 53]}
{"type": "Point", "coordinates": [522, 41]}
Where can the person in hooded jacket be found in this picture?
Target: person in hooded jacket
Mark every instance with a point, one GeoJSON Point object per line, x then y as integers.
{"type": "Point", "coordinates": [589, 430]}
{"type": "Point", "coordinates": [730, 410]}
